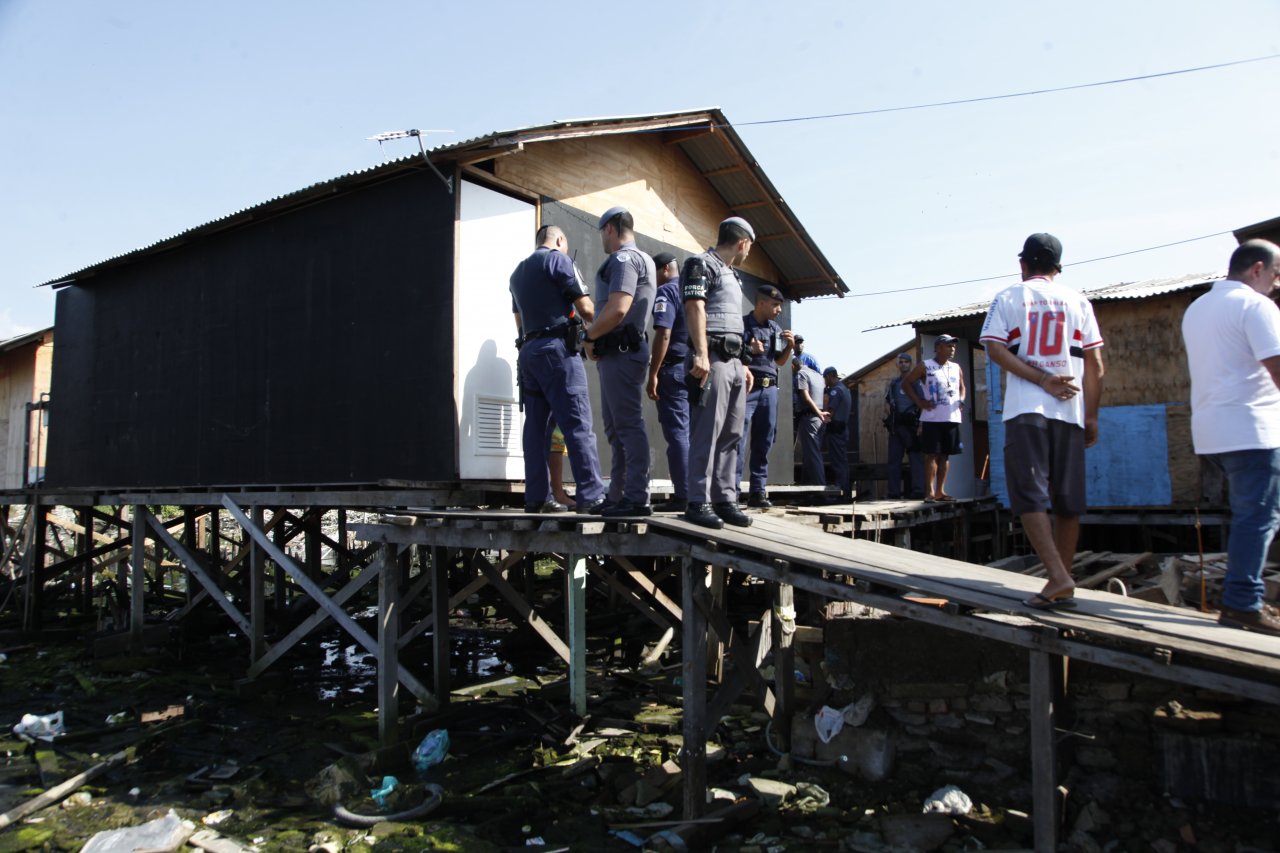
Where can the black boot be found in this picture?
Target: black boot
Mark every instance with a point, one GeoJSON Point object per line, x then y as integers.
{"type": "Point", "coordinates": [703, 515]}
{"type": "Point", "coordinates": [730, 513]}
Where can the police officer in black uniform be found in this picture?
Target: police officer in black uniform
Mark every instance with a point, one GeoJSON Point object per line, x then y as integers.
{"type": "Point", "coordinates": [719, 381]}
{"type": "Point", "coordinates": [666, 377]}
{"type": "Point", "coordinates": [545, 290]}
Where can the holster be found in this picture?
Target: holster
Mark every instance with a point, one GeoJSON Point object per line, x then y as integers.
{"type": "Point", "coordinates": [727, 346]}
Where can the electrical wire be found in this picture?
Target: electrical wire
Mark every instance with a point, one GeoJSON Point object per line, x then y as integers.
{"type": "Point", "coordinates": [1028, 93]}
{"type": "Point", "coordinates": [1016, 275]}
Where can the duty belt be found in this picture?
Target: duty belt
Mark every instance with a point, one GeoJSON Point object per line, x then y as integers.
{"type": "Point", "coordinates": [764, 380]}
{"type": "Point", "coordinates": [556, 331]}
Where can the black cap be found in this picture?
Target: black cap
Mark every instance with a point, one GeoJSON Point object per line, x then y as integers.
{"type": "Point", "coordinates": [770, 291]}
{"type": "Point", "coordinates": [799, 337]}
{"type": "Point", "coordinates": [1043, 248]}
{"type": "Point", "coordinates": [830, 371]}
{"type": "Point", "coordinates": [661, 259]}
{"type": "Point", "coordinates": [946, 339]}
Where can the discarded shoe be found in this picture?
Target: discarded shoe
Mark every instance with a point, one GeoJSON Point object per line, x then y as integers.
{"type": "Point", "coordinates": [1262, 621]}
{"type": "Point", "coordinates": [626, 509]}
{"type": "Point", "coordinates": [702, 515]}
{"type": "Point", "coordinates": [730, 514]}
{"type": "Point", "coordinates": [590, 507]}
{"type": "Point", "coordinates": [759, 500]}
{"type": "Point", "coordinates": [1058, 601]}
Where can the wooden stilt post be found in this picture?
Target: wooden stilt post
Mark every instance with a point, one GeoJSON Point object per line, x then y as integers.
{"type": "Point", "coordinates": [257, 591]}
{"type": "Point", "coordinates": [388, 634]}
{"type": "Point", "coordinates": [313, 546]}
{"type": "Point", "coordinates": [440, 656]}
{"type": "Point", "coordinates": [716, 643]}
{"type": "Point", "coordinates": [784, 667]}
{"type": "Point", "coordinates": [84, 544]}
{"type": "Point", "coordinates": [281, 586]}
{"type": "Point", "coordinates": [693, 760]}
{"type": "Point", "coordinates": [189, 538]}
{"type": "Point", "coordinates": [340, 557]}
{"type": "Point", "coordinates": [575, 597]}
{"type": "Point", "coordinates": [1044, 770]}
{"type": "Point", "coordinates": [138, 579]}
{"type": "Point", "coordinates": [215, 545]}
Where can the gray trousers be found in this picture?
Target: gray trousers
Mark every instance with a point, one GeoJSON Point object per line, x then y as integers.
{"type": "Point", "coordinates": [811, 451]}
{"type": "Point", "coordinates": [622, 379]}
{"type": "Point", "coordinates": [715, 431]}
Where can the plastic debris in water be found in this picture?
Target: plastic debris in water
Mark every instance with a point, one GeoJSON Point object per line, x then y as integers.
{"type": "Point", "coordinates": [949, 800]}
{"type": "Point", "coordinates": [380, 795]}
{"type": "Point", "coordinates": [35, 727]}
{"type": "Point", "coordinates": [432, 750]}
{"type": "Point", "coordinates": [215, 818]}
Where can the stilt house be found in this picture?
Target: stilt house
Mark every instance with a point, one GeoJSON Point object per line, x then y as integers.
{"type": "Point", "coordinates": [359, 331]}
{"type": "Point", "coordinates": [25, 363]}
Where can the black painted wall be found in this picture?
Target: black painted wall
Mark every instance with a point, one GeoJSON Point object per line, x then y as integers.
{"type": "Point", "coordinates": [312, 347]}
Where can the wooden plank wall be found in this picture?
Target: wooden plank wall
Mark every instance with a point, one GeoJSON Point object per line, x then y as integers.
{"type": "Point", "coordinates": [24, 375]}
{"type": "Point", "coordinates": [666, 194]}
{"type": "Point", "coordinates": [1145, 358]}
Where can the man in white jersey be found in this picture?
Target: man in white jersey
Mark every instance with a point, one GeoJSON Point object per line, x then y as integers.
{"type": "Point", "coordinates": [941, 409]}
{"type": "Point", "coordinates": [1232, 335]}
{"type": "Point", "coordinates": [1044, 336]}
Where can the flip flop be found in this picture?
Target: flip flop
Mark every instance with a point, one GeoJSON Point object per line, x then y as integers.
{"type": "Point", "coordinates": [944, 498]}
{"type": "Point", "coordinates": [1061, 601]}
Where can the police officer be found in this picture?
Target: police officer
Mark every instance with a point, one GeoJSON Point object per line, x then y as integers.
{"type": "Point", "coordinates": [666, 377]}
{"type": "Point", "coordinates": [625, 287]}
{"type": "Point", "coordinates": [768, 348]}
{"type": "Point", "coordinates": [545, 288]}
{"type": "Point", "coordinates": [839, 404]}
{"type": "Point", "coordinates": [812, 418]}
{"type": "Point", "coordinates": [719, 381]}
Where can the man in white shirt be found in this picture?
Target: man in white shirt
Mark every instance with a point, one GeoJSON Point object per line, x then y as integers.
{"type": "Point", "coordinates": [941, 410]}
{"type": "Point", "coordinates": [1044, 335]}
{"type": "Point", "coordinates": [1232, 335]}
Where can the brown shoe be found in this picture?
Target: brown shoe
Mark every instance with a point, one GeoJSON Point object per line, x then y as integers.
{"type": "Point", "coordinates": [1263, 621]}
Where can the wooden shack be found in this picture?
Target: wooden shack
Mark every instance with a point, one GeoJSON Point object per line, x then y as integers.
{"type": "Point", "coordinates": [359, 331]}
{"type": "Point", "coordinates": [25, 364]}
{"type": "Point", "coordinates": [868, 450]}
{"type": "Point", "coordinates": [1144, 456]}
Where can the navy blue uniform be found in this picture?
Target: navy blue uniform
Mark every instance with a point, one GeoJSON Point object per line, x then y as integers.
{"type": "Point", "coordinates": [673, 394]}
{"type": "Point", "coordinates": [544, 287]}
{"type": "Point", "coordinates": [623, 374]}
{"type": "Point", "coordinates": [836, 434]}
{"type": "Point", "coordinates": [762, 403]}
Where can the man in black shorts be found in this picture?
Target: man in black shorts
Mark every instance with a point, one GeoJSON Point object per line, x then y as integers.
{"type": "Point", "coordinates": [1045, 337]}
{"type": "Point", "coordinates": [941, 410]}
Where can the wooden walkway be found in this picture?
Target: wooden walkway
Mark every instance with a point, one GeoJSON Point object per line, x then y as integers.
{"type": "Point", "coordinates": [1174, 644]}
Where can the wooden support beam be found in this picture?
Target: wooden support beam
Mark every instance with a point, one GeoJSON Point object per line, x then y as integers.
{"type": "Point", "coordinates": [257, 591]}
{"type": "Point", "coordinates": [431, 619]}
{"type": "Point", "coordinates": [720, 635]}
{"type": "Point", "coordinates": [1044, 766]}
{"type": "Point", "coordinates": [575, 602]}
{"type": "Point", "coordinates": [675, 137]}
{"type": "Point", "coordinates": [649, 585]}
{"type": "Point", "coordinates": [138, 578]}
{"type": "Point", "coordinates": [536, 622]}
{"type": "Point", "coordinates": [441, 607]}
{"type": "Point", "coordinates": [388, 634]}
{"type": "Point", "coordinates": [314, 621]}
{"type": "Point", "coordinates": [627, 594]}
{"type": "Point", "coordinates": [196, 569]}
{"type": "Point", "coordinates": [311, 588]}
{"type": "Point", "coordinates": [784, 666]}
{"type": "Point", "coordinates": [725, 170]}
{"type": "Point", "coordinates": [84, 544]}
{"type": "Point", "coordinates": [693, 674]}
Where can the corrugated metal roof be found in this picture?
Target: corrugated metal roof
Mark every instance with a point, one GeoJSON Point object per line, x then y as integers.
{"type": "Point", "coordinates": [24, 339]}
{"type": "Point", "coordinates": [1124, 290]}
{"type": "Point", "coordinates": [711, 145]}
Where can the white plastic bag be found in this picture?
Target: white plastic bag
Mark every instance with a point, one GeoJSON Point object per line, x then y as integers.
{"type": "Point", "coordinates": [949, 800]}
{"type": "Point", "coordinates": [828, 722]}
{"type": "Point", "coordinates": [157, 836]}
{"type": "Point", "coordinates": [34, 727]}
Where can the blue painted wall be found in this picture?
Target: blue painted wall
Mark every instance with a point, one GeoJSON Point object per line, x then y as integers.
{"type": "Point", "coordinates": [1129, 466]}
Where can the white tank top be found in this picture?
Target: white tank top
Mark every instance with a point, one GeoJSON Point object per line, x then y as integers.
{"type": "Point", "coordinates": [942, 386]}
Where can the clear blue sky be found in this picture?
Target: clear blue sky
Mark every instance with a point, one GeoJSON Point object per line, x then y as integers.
{"type": "Point", "coordinates": [127, 122]}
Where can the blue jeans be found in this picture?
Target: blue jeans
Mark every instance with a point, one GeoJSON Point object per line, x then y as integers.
{"type": "Point", "coordinates": [761, 427]}
{"type": "Point", "coordinates": [1254, 480]}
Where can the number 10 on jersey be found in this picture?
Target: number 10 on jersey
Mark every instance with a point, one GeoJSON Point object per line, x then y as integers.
{"type": "Point", "coordinates": [1045, 332]}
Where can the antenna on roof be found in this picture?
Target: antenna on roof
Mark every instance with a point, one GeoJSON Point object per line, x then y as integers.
{"type": "Point", "coordinates": [417, 134]}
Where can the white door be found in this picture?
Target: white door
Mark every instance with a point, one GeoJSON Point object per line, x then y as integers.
{"type": "Point", "coordinates": [495, 232]}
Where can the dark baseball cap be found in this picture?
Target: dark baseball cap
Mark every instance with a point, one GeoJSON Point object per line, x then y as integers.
{"type": "Point", "coordinates": [743, 224]}
{"type": "Point", "coordinates": [770, 291]}
{"type": "Point", "coordinates": [609, 214]}
{"type": "Point", "coordinates": [946, 339]}
{"type": "Point", "coordinates": [830, 371]}
{"type": "Point", "coordinates": [1042, 247]}
{"type": "Point", "coordinates": [661, 259]}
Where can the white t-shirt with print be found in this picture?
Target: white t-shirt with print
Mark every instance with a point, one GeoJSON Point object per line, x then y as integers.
{"type": "Point", "coordinates": [1049, 326]}
{"type": "Point", "coordinates": [942, 386]}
